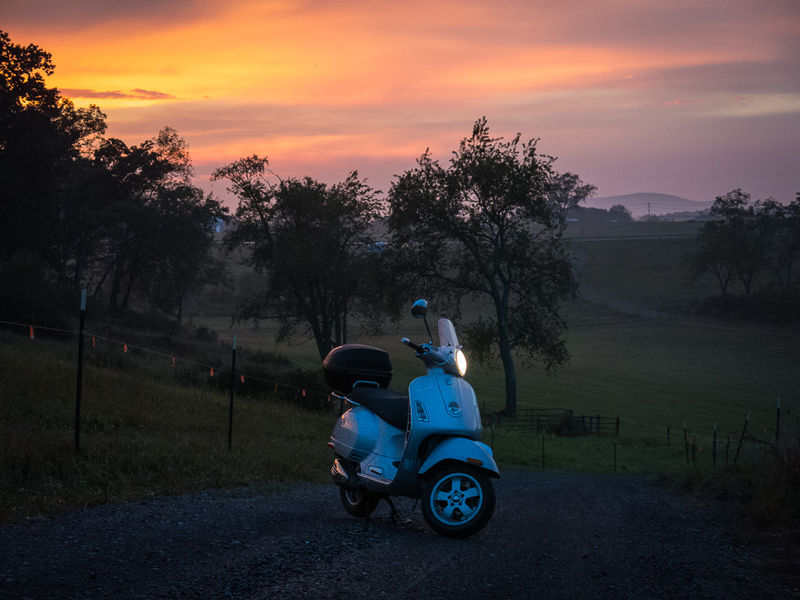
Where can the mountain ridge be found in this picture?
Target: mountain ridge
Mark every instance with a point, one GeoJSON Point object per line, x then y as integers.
{"type": "Point", "coordinates": [642, 204]}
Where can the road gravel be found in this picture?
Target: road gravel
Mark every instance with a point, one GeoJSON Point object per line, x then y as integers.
{"type": "Point", "coordinates": [553, 535]}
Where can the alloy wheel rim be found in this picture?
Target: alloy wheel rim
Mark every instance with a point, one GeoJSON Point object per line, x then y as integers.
{"type": "Point", "coordinates": [456, 499]}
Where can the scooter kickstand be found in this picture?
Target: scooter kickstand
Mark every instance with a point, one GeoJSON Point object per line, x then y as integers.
{"type": "Point", "coordinates": [393, 516]}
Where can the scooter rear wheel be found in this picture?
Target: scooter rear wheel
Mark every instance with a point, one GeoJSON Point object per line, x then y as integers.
{"type": "Point", "coordinates": [457, 500]}
{"type": "Point", "coordinates": [358, 502]}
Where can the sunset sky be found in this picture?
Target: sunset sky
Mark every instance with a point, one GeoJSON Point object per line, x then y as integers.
{"type": "Point", "coordinates": [686, 97]}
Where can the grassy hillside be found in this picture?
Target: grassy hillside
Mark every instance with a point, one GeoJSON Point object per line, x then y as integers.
{"type": "Point", "coordinates": [140, 436]}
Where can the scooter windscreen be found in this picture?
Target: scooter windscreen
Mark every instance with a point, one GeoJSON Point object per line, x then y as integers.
{"type": "Point", "coordinates": [447, 334]}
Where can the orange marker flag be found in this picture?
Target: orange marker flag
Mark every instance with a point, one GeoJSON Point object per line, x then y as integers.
{"type": "Point", "coordinates": [31, 331]}
{"type": "Point", "coordinates": [94, 342]}
{"type": "Point", "coordinates": [125, 348]}
{"type": "Point", "coordinates": [242, 378]}
{"type": "Point", "coordinates": [173, 362]}
{"type": "Point", "coordinates": [212, 371]}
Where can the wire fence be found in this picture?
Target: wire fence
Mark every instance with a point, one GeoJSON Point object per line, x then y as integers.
{"type": "Point", "coordinates": [558, 421]}
{"type": "Point", "coordinates": [116, 350]}
{"type": "Point", "coordinates": [102, 349]}
{"type": "Point", "coordinates": [558, 438]}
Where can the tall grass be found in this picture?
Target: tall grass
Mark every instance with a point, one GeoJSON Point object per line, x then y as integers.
{"type": "Point", "coordinates": [139, 437]}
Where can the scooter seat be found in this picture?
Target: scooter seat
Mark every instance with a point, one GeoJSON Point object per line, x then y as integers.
{"type": "Point", "coordinates": [389, 405]}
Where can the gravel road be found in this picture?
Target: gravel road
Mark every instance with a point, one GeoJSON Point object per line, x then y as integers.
{"type": "Point", "coordinates": [552, 536]}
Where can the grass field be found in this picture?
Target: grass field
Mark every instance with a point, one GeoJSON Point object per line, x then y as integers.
{"type": "Point", "coordinates": [144, 435]}
{"type": "Point", "coordinates": [139, 436]}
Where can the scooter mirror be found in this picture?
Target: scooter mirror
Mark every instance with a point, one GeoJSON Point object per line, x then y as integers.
{"type": "Point", "coordinates": [419, 309]}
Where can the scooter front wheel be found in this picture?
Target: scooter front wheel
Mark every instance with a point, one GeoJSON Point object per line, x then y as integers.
{"type": "Point", "coordinates": [358, 502]}
{"type": "Point", "coordinates": [457, 500]}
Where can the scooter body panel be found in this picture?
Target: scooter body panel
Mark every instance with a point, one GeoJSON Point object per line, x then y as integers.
{"type": "Point", "coordinates": [364, 438]}
{"type": "Point", "coordinates": [359, 432]}
{"type": "Point", "coordinates": [463, 450]}
{"type": "Point", "coordinates": [445, 405]}
{"type": "Point", "coordinates": [389, 460]}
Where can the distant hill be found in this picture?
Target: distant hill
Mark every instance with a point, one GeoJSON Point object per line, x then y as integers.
{"type": "Point", "coordinates": [657, 204]}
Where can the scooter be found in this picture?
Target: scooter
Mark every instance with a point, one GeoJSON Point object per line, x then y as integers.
{"type": "Point", "coordinates": [425, 445]}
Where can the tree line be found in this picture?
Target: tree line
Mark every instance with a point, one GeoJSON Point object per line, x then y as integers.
{"type": "Point", "coordinates": [486, 226]}
{"type": "Point", "coordinates": [125, 222]}
{"type": "Point", "coordinates": [81, 210]}
{"type": "Point", "coordinates": [751, 250]}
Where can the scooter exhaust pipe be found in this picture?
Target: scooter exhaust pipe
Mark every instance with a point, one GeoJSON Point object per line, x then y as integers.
{"type": "Point", "coordinates": [339, 474]}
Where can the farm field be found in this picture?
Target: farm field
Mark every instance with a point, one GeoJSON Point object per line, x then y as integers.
{"type": "Point", "coordinates": [655, 371]}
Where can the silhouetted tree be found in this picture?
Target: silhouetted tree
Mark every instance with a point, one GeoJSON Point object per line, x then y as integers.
{"type": "Point", "coordinates": [44, 147]}
{"type": "Point", "coordinates": [619, 212]}
{"type": "Point", "coordinates": [712, 255]}
{"type": "Point", "coordinates": [312, 243]}
{"type": "Point", "coordinates": [153, 212]}
{"type": "Point", "coordinates": [95, 212]}
{"type": "Point", "coordinates": [738, 241]}
{"type": "Point", "coordinates": [752, 243]}
{"type": "Point", "coordinates": [489, 226]}
{"type": "Point", "coordinates": [785, 243]}
{"type": "Point", "coordinates": [183, 254]}
{"type": "Point", "coordinates": [567, 191]}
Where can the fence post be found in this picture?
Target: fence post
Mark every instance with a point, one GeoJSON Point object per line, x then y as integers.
{"type": "Point", "coordinates": [741, 438]}
{"type": "Point", "coordinates": [686, 442]}
{"type": "Point", "coordinates": [230, 410]}
{"type": "Point", "coordinates": [714, 447]}
{"type": "Point", "coordinates": [79, 383]}
{"type": "Point", "coordinates": [542, 451]}
{"type": "Point", "coordinates": [617, 427]}
{"type": "Point", "coordinates": [778, 421]}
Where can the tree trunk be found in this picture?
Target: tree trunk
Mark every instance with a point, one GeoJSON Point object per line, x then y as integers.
{"type": "Point", "coordinates": [508, 362]}
{"type": "Point", "coordinates": [116, 288]}
{"type": "Point", "coordinates": [511, 381]}
{"type": "Point", "coordinates": [344, 322]}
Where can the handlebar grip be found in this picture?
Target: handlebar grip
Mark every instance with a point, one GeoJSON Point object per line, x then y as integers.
{"type": "Point", "coordinates": [412, 345]}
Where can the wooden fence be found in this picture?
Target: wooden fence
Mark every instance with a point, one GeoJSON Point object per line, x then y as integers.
{"type": "Point", "coordinates": [559, 421]}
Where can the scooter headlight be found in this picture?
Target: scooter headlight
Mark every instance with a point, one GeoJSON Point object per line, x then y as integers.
{"type": "Point", "coordinates": [461, 362]}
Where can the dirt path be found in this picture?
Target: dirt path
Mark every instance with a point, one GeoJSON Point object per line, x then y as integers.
{"type": "Point", "coordinates": [552, 536]}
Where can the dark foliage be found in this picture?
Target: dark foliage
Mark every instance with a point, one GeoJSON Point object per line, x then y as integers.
{"type": "Point", "coordinates": [751, 250]}
{"type": "Point", "coordinates": [489, 226]}
{"type": "Point", "coordinates": [89, 212]}
{"type": "Point", "coordinates": [314, 246]}
{"type": "Point", "coordinates": [765, 307]}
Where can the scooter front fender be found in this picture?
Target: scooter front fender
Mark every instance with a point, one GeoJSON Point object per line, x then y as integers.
{"type": "Point", "coordinates": [463, 450]}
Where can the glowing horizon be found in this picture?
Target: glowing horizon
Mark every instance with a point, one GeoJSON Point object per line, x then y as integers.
{"type": "Point", "coordinates": [692, 99]}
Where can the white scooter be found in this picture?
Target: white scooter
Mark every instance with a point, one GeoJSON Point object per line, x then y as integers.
{"type": "Point", "coordinates": [424, 445]}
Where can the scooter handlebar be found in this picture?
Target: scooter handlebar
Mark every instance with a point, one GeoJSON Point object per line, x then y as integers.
{"type": "Point", "coordinates": [413, 346]}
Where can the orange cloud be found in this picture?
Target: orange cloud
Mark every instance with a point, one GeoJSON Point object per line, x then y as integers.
{"type": "Point", "coordinates": [349, 82]}
{"type": "Point", "coordinates": [138, 94]}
